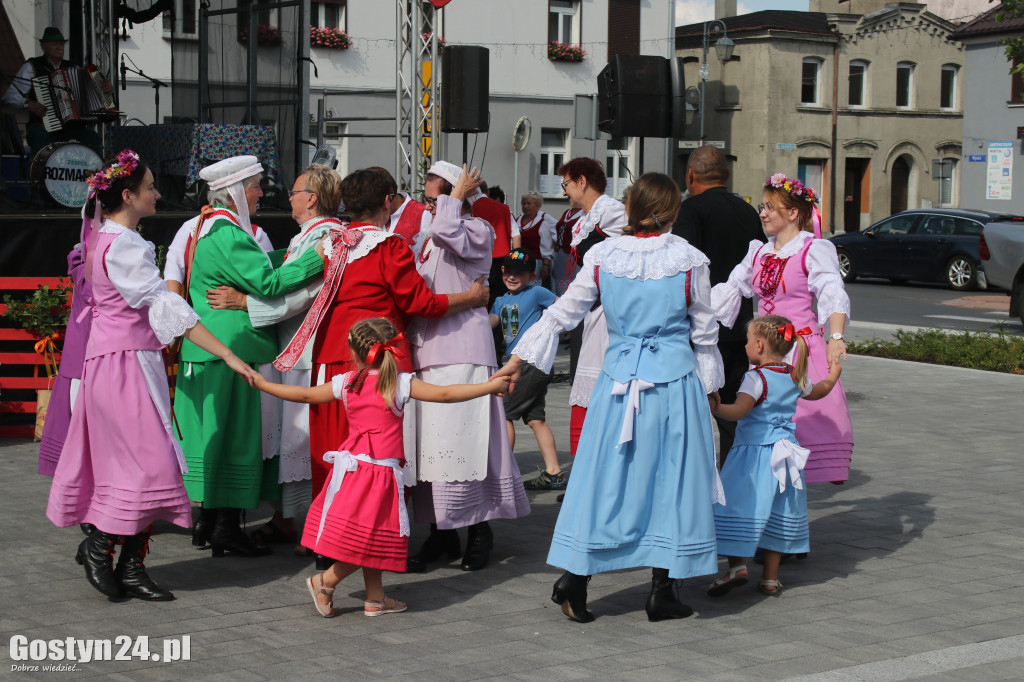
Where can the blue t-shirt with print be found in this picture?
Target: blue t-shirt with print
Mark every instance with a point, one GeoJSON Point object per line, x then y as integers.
{"type": "Point", "coordinates": [520, 311]}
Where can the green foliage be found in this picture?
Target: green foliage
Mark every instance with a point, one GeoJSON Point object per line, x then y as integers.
{"type": "Point", "coordinates": [1014, 46]}
{"type": "Point", "coordinates": [44, 313]}
{"type": "Point", "coordinates": [998, 352]}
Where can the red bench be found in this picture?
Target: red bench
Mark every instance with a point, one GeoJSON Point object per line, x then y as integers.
{"type": "Point", "coordinates": [22, 370]}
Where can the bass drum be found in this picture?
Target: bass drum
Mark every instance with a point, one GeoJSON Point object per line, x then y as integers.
{"type": "Point", "coordinates": [60, 171]}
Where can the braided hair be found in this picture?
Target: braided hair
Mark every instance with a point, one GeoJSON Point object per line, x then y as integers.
{"type": "Point", "coordinates": [361, 338]}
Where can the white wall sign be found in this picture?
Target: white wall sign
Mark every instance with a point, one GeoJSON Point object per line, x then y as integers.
{"type": "Point", "coordinates": [999, 180]}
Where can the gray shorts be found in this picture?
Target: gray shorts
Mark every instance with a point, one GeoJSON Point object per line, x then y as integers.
{"type": "Point", "coordinates": [526, 402]}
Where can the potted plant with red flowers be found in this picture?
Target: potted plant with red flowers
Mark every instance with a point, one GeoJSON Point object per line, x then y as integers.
{"type": "Point", "coordinates": [564, 52]}
{"type": "Point", "coordinates": [329, 38]}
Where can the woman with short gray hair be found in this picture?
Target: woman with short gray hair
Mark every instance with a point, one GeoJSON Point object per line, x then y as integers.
{"type": "Point", "coordinates": [537, 232]}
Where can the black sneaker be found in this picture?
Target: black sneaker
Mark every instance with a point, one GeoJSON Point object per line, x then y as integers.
{"type": "Point", "coordinates": [547, 481]}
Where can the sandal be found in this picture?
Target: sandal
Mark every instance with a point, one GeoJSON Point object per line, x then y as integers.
{"type": "Point", "coordinates": [386, 605]}
{"type": "Point", "coordinates": [270, 534]}
{"type": "Point", "coordinates": [772, 588]}
{"type": "Point", "coordinates": [728, 580]}
{"type": "Point", "coordinates": [315, 584]}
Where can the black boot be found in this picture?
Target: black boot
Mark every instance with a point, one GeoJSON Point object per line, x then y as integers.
{"type": "Point", "coordinates": [96, 553]}
{"type": "Point", "coordinates": [202, 529]}
{"type": "Point", "coordinates": [662, 604]}
{"type": "Point", "coordinates": [131, 572]}
{"type": "Point", "coordinates": [478, 546]}
{"type": "Point", "coordinates": [87, 528]}
{"type": "Point", "coordinates": [440, 542]}
{"type": "Point", "coordinates": [228, 536]}
{"type": "Point", "coordinates": [571, 593]}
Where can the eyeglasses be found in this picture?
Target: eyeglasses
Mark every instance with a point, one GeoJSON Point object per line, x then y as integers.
{"type": "Point", "coordinates": [293, 192]}
{"type": "Point", "coordinates": [764, 208]}
{"type": "Point", "coordinates": [564, 183]}
{"type": "Point", "coordinates": [389, 197]}
{"type": "Point", "coordinates": [430, 201]}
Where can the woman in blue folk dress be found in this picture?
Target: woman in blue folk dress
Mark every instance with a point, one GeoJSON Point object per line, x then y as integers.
{"type": "Point", "coordinates": [644, 480]}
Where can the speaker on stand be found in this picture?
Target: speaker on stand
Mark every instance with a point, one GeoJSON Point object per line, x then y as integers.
{"type": "Point", "coordinates": [465, 91]}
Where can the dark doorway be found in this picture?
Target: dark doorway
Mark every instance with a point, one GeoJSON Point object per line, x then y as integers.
{"type": "Point", "coordinates": [900, 184]}
{"type": "Point", "coordinates": [856, 193]}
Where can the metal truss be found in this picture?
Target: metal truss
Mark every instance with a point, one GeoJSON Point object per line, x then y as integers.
{"type": "Point", "coordinates": [416, 76]}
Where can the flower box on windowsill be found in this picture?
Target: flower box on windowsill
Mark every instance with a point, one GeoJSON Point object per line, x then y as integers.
{"type": "Point", "coordinates": [564, 52]}
{"type": "Point", "coordinates": [266, 35]}
{"type": "Point", "coordinates": [329, 38]}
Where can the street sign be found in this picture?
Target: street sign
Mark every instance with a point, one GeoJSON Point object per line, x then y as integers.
{"type": "Point", "coordinates": [976, 158]}
{"type": "Point", "coordinates": [942, 169]}
{"type": "Point", "coordinates": [785, 146]}
{"type": "Point", "coordinates": [694, 144]}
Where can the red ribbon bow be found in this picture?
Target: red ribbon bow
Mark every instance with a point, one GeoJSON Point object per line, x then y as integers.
{"type": "Point", "coordinates": [377, 350]}
{"type": "Point", "coordinates": [787, 330]}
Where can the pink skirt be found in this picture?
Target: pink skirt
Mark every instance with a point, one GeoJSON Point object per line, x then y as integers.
{"type": "Point", "coordinates": [120, 469]}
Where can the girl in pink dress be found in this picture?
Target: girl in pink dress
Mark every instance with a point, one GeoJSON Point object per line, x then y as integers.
{"type": "Point", "coordinates": [359, 519]}
{"type": "Point", "coordinates": [792, 275]}
{"type": "Point", "coordinates": [120, 467]}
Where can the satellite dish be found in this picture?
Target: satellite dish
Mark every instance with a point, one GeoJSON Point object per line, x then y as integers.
{"type": "Point", "coordinates": [521, 134]}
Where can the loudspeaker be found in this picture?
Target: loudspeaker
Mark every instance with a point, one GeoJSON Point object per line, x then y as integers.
{"type": "Point", "coordinates": [465, 89]}
{"type": "Point", "coordinates": [634, 97]}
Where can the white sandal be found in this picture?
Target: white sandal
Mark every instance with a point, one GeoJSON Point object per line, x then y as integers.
{"type": "Point", "coordinates": [728, 580]}
{"type": "Point", "coordinates": [386, 605]}
{"type": "Point", "coordinates": [764, 584]}
{"type": "Point", "coordinates": [315, 584]}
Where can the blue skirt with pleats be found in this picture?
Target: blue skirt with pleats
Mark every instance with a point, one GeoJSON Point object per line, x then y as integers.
{"type": "Point", "coordinates": [648, 501]}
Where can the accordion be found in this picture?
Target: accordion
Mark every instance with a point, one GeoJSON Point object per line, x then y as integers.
{"type": "Point", "coordinates": [72, 96]}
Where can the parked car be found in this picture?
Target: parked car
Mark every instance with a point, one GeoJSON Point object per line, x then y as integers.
{"type": "Point", "coordinates": [925, 245]}
{"type": "Point", "coordinates": [1002, 250]}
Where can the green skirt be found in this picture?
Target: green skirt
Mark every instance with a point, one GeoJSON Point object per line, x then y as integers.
{"type": "Point", "coordinates": [218, 417]}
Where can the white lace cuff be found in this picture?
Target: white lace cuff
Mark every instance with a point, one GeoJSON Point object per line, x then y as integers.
{"type": "Point", "coordinates": [832, 299]}
{"type": "Point", "coordinates": [582, 389]}
{"type": "Point", "coordinates": [540, 343]}
{"type": "Point", "coordinates": [170, 317]}
{"type": "Point", "coordinates": [725, 301]}
{"type": "Point", "coordinates": [709, 367]}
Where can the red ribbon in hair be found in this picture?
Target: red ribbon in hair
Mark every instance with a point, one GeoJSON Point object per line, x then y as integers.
{"type": "Point", "coordinates": [377, 350]}
{"type": "Point", "coordinates": [788, 331]}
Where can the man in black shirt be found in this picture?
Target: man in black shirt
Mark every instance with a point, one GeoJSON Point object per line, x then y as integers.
{"type": "Point", "coordinates": [721, 225]}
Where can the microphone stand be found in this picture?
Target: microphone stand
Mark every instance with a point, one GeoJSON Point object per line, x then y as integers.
{"type": "Point", "coordinates": [157, 84]}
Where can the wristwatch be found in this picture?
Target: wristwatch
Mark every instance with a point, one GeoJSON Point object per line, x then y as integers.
{"type": "Point", "coordinates": [837, 336]}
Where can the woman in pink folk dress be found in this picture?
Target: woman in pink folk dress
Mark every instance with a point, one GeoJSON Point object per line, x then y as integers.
{"type": "Point", "coordinates": [791, 274]}
{"type": "Point", "coordinates": [120, 467]}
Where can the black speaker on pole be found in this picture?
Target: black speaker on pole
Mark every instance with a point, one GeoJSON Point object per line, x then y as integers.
{"type": "Point", "coordinates": [635, 97]}
{"type": "Point", "coordinates": [465, 89]}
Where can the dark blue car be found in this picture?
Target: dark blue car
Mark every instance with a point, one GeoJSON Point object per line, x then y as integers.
{"type": "Point", "coordinates": [926, 245]}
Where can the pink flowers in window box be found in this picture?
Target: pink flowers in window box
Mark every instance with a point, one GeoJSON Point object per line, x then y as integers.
{"type": "Point", "coordinates": [329, 38]}
{"type": "Point", "coordinates": [564, 52]}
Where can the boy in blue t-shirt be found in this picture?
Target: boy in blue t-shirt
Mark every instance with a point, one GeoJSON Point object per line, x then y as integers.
{"type": "Point", "coordinates": [517, 311]}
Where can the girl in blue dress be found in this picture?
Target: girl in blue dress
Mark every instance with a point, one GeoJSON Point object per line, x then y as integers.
{"type": "Point", "coordinates": [766, 501]}
{"type": "Point", "coordinates": [644, 477]}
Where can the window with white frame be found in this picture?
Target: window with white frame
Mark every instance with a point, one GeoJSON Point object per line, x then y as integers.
{"type": "Point", "coordinates": [564, 21]}
{"type": "Point", "coordinates": [328, 14]}
{"type": "Point", "coordinates": [858, 83]}
{"type": "Point", "coordinates": [183, 21]}
{"type": "Point", "coordinates": [947, 186]}
{"type": "Point", "coordinates": [810, 82]}
{"type": "Point", "coordinates": [947, 92]}
{"type": "Point", "coordinates": [617, 167]}
{"type": "Point", "coordinates": [905, 85]}
{"type": "Point", "coordinates": [553, 153]}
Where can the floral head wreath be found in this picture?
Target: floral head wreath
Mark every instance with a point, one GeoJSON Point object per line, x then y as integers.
{"type": "Point", "coordinates": [126, 163]}
{"type": "Point", "coordinates": [793, 186]}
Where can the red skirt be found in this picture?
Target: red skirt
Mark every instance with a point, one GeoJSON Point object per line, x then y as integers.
{"type": "Point", "coordinates": [362, 524]}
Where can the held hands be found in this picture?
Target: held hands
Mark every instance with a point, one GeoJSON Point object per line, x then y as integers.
{"type": "Point", "coordinates": [715, 402]}
{"type": "Point", "coordinates": [512, 370]}
{"type": "Point", "coordinates": [226, 298]}
{"type": "Point", "coordinates": [480, 291]}
{"type": "Point", "coordinates": [242, 369]}
{"type": "Point", "coordinates": [468, 182]}
{"type": "Point", "coordinates": [499, 385]}
{"type": "Point", "coordinates": [836, 349]}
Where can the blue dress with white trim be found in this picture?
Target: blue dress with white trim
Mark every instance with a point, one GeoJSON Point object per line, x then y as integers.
{"type": "Point", "coordinates": [644, 476]}
{"type": "Point", "coordinates": [766, 499]}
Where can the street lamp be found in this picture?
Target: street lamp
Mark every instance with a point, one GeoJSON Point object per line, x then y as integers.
{"type": "Point", "coordinates": [723, 48]}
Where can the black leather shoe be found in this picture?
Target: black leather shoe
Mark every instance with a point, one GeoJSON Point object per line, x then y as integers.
{"type": "Point", "coordinates": [662, 603]}
{"type": "Point", "coordinates": [478, 547]}
{"type": "Point", "coordinates": [570, 592]}
{"type": "Point", "coordinates": [202, 529]}
{"type": "Point", "coordinates": [228, 536]}
{"type": "Point", "coordinates": [440, 542]}
{"type": "Point", "coordinates": [131, 572]}
{"type": "Point", "coordinates": [96, 554]}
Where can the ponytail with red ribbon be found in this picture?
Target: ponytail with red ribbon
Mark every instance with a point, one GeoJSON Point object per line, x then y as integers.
{"type": "Point", "coordinates": [787, 331]}
{"type": "Point", "coordinates": [377, 350]}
